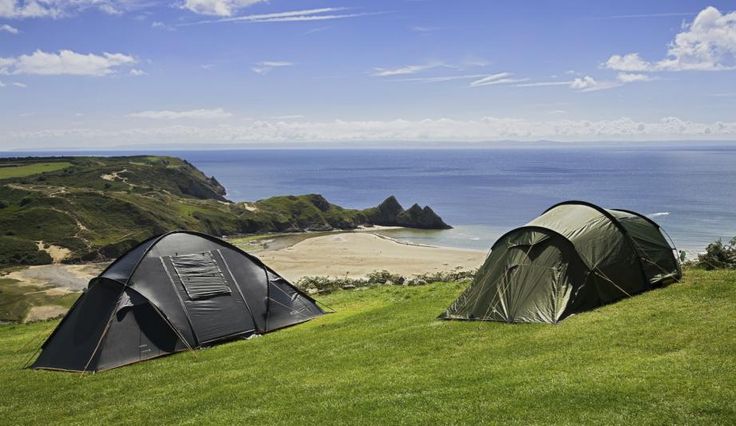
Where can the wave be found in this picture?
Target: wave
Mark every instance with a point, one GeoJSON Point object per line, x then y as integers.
{"type": "Point", "coordinates": [658, 214]}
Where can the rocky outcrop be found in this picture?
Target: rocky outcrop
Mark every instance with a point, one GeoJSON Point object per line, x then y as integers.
{"type": "Point", "coordinates": [391, 213]}
{"type": "Point", "coordinates": [421, 217]}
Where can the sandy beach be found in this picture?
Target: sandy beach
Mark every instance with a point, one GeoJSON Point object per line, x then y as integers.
{"type": "Point", "coordinates": [355, 254]}
{"type": "Point", "coordinates": [352, 254]}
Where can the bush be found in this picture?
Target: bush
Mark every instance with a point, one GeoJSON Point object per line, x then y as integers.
{"type": "Point", "coordinates": [16, 251]}
{"type": "Point", "coordinates": [718, 256]}
{"type": "Point", "coordinates": [328, 285]}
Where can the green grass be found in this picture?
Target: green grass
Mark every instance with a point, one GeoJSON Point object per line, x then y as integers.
{"type": "Point", "coordinates": [660, 358]}
{"type": "Point", "coordinates": [10, 171]}
{"type": "Point", "coordinates": [17, 300]}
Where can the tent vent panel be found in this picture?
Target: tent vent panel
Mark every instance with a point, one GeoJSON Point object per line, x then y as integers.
{"type": "Point", "coordinates": [200, 275]}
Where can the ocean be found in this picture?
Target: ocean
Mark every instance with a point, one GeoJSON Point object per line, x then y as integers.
{"type": "Point", "coordinates": [689, 189]}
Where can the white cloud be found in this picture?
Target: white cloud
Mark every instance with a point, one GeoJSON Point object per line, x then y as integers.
{"type": "Point", "coordinates": [632, 77]}
{"type": "Point", "coordinates": [21, 85]}
{"type": "Point", "coordinates": [137, 72]}
{"type": "Point", "coordinates": [18, 9]}
{"type": "Point", "coordinates": [583, 83]}
{"type": "Point", "coordinates": [377, 131]}
{"type": "Point", "coordinates": [162, 26]}
{"type": "Point", "coordinates": [404, 70]}
{"type": "Point", "coordinates": [195, 114]}
{"type": "Point", "coordinates": [66, 62]}
{"type": "Point", "coordinates": [590, 84]}
{"type": "Point", "coordinates": [8, 29]}
{"type": "Point", "coordinates": [320, 14]}
{"type": "Point", "coordinates": [264, 67]}
{"type": "Point", "coordinates": [706, 44]}
{"type": "Point", "coordinates": [2, 84]}
{"type": "Point", "coordinates": [495, 79]}
{"type": "Point", "coordinates": [218, 7]}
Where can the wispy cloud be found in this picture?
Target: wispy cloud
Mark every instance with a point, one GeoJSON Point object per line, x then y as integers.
{"type": "Point", "coordinates": [319, 14]}
{"type": "Point", "coordinates": [544, 84]}
{"type": "Point", "coordinates": [443, 78]}
{"type": "Point", "coordinates": [316, 30]}
{"type": "Point", "coordinates": [586, 83]}
{"type": "Point", "coordinates": [264, 67]}
{"type": "Point", "coordinates": [496, 79]}
{"type": "Point", "coordinates": [21, 85]}
{"type": "Point", "coordinates": [425, 29]}
{"type": "Point", "coordinates": [406, 69]}
{"type": "Point", "coordinates": [195, 114]}
{"type": "Point", "coordinates": [8, 29]}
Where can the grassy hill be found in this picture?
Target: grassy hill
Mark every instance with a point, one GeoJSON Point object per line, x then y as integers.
{"type": "Point", "coordinates": [663, 357]}
{"type": "Point", "coordinates": [96, 208]}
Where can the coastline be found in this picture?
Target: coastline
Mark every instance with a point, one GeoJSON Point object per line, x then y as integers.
{"type": "Point", "coordinates": [352, 254]}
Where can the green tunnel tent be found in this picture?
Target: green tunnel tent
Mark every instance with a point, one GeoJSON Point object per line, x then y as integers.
{"type": "Point", "coordinates": [173, 292]}
{"type": "Point", "coordinates": [575, 257]}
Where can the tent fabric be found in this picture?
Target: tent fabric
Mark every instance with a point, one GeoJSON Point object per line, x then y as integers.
{"type": "Point", "coordinates": [574, 257]}
{"type": "Point", "coordinates": [178, 291]}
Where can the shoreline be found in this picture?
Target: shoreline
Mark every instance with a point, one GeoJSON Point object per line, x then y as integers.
{"type": "Point", "coordinates": [339, 253]}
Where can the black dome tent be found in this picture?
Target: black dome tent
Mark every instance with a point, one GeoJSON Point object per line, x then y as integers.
{"type": "Point", "coordinates": [574, 257]}
{"type": "Point", "coordinates": [172, 292]}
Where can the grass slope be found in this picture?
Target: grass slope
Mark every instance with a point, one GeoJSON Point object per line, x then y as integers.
{"type": "Point", "coordinates": [14, 171]}
{"type": "Point", "coordinates": [666, 356]}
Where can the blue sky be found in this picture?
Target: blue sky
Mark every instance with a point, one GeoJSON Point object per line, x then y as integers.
{"type": "Point", "coordinates": [103, 73]}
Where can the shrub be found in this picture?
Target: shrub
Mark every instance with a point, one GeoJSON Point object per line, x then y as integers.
{"type": "Point", "coordinates": [16, 251]}
{"type": "Point", "coordinates": [328, 284]}
{"type": "Point", "coordinates": [718, 256]}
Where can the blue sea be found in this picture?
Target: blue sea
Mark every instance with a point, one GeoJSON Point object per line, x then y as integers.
{"type": "Point", "coordinates": [689, 189]}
